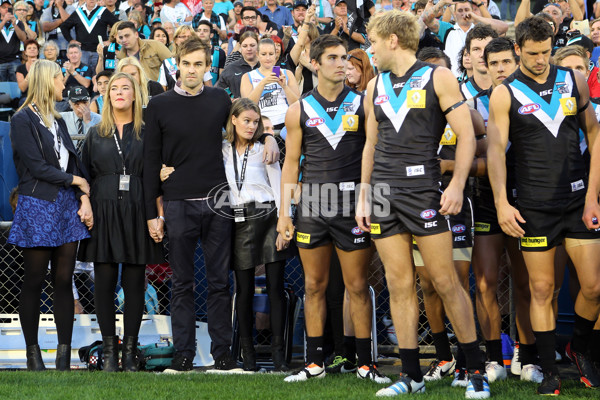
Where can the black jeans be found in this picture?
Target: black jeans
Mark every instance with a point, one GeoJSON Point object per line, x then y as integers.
{"type": "Point", "coordinates": [186, 222]}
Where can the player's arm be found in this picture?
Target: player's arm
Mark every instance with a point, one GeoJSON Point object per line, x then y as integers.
{"type": "Point", "coordinates": [459, 118]}
{"type": "Point", "coordinates": [497, 138]}
{"type": "Point", "coordinates": [371, 127]}
{"type": "Point", "coordinates": [585, 111]}
{"type": "Point", "coordinates": [478, 168]}
{"type": "Point", "coordinates": [291, 169]}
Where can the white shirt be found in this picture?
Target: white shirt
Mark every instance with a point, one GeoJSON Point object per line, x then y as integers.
{"type": "Point", "coordinates": [176, 15]}
{"type": "Point", "coordinates": [455, 41]}
{"type": "Point", "coordinates": [261, 182]}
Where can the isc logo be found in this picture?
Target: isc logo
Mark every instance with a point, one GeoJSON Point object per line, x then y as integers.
{"type": "Point", "coordinates": [529, 108]}
{"type": "Point", "coordinates": [382, 99]}
{"type": "Point", "coordinates": [359, 240]}
{"type": "Point", "coordinates": [431, 224]}
{"type": "Point", "coordinates": [314, 122]}
{"type": "Point", "coordinates": [428, 214]}
{"type": "Point", "coordinates": [459, 228]}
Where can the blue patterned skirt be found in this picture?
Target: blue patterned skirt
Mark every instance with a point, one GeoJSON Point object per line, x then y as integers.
{"type": "Point", "coordinates": [42, 223]}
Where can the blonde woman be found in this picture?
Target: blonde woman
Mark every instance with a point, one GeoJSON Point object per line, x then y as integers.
{"type": "Point", "coordinates": [113, 155]}
{"type": "Point", "coordinates": [52, 208]}
{"type": "Point", "coordinates": [148, 88]}
{"type": "Point", "coordinates": [107, 52]}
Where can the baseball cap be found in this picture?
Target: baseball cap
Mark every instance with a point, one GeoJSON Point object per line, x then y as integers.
{"type": "Point", "coordinates": [582, 41]}
{"type": "Point", "coordinates": [238, 3]}
{"type": "Point", "coordinates": [155, 20]}
{"type": "Point", "coordinates": [300, 3]}
{"type": "Point", "coordinates": [5, 1]}
{"type": "Point", "coordinates": [340, 1]}
{"type": "Point", "coordinates": [78, 93]}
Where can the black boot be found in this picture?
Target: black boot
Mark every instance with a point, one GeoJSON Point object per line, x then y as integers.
{"type": "Point", "coordinates": [278, 354]}
{"type": "Point", "coordinates": [110, 350]}
{"type": "Point", "coordinates": [34, 358]}
{"type": "Point", "coordinates": [129, 359]}
{"type": "Point", "coordinates": [63, 357]}
{"type": "Point", "coordinates": [248, 354]}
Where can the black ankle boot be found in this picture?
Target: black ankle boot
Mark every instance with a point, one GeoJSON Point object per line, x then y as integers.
{"type": "Point", "coordinates": [248, 354]}
{"type": "Point", "coordinates": [34, 358]}
{"type": "Point", "coordinates": [129, 359]}
{"type": "Point", "coordinates": [110, 350]}
{"type": "Point", "coordinates": [63, 357]}
{"type": "Point", "coordinates": [278, 354]}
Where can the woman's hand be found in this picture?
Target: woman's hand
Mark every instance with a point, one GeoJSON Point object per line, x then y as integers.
{"type": "Point", "coordinates": [281, 243]}
{"type": "Point", "coordinates": [82, 183]}
{"type": "Point", "coordinates": [85, 212]}
{"type": "Point", "coordinates": [165, 172]}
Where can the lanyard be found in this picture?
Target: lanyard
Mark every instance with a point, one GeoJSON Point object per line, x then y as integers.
{"type": "Point", "coordinates": [58, 139]}
{"type": "Point", "coordinates": [119, 150]}
{"type": "Point", "coordinates": [239, 181]}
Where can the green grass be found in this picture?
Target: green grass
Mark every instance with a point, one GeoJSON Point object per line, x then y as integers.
{"type": "Point", "coordinates": [82, 385]}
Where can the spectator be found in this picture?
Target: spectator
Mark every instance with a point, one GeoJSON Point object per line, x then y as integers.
{"type": "Point", "coordinates": [359, 71]}
{"type": "Point", "coordinates": [591, 71]}
{"type": "Point", "coordinates": [30, 55]}
{"type": "Point", "coordinates": [354, 35]}
{"type": "Point", "coordinates": [75, 72]}
{"type": "Point", "coordinates": [139, 21]}
{"type": "Point", "coordinates": [272, 91]}
{"type": "Point", "coordinates": [562, 21]}
{"type": "Point", "coordinates": [175, 12]}
{"type": "Point", "coordinates": [217, 22]}
{"type": "Point", "coordinates": [170, 28]}
{"type": "Point", "coordinates": [102, 83]}
{"type": "Point", "coordinates": [107, 55]}
{"type": "Point", "coordinates": [507, 6]}
{"type": "Point", "coordinates": [150, 52]}
{"type": "Point", "coordinates": [89, 21]}
{"type": "Point", "coordinates": [38, 8]}
{"type": "Point", "coordinates": [205, 32]}
{"type": "Point", "coordinates": [168, 71]}
{"type": "Point", "coordinates": [113, 154]}
{"type": "Point", "coordinates": [111, 5]}
{"type": "Point", "coordinates": [225, 7]}
{"type": "Point", "coordinates": [595, 36]}
{"type": "Point", "coordinates": [236, 19]}
{"type": "Point", "coordinates": [160, 34]}
{"type": "Point", "coordinates": [324, 15]}
{"type": "Point", "coordinates": [51, 52]}
{"type": "Point", "coordinates": [52, 18]}
{"type": "Point", "coordinates": [32, 25]}
{"type": "Point", "coordinates": [280, 15]}
{"type": "Point", "coordinates": [10, 43]}
{"type": "Point", "coordinates": [81, 119]}
{"type": "Point", "coordinates": [231, 77]}
{"type": "Point", "coordinates": [148, 87]}
{"type": "Point", "coordinates": [298, 59]}
{"type": "Point", "coordinates": [48, 167]}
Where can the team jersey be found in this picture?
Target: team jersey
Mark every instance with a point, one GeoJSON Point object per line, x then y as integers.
{"type": "Point", "coordinates": [544, 132]}
{"type": "Point", "coordinates": [333, 137]}
{"type": "Point", "coordinates": [411, 124]}
{"type": "Point", "coordinates": [477, 97]}
{"type": "Point", "coordinates": [272, 101]}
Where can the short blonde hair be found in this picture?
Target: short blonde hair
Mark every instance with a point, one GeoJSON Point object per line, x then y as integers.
{"type": "Point", "coordinates": [395, 22]}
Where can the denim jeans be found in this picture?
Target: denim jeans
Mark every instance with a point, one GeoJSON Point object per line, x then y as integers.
{"type": "Point", "coordinates": [8, 71]}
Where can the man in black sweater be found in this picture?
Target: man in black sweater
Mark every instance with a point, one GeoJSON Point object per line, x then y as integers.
{"type": "Point", "coordinates": [184, 131]}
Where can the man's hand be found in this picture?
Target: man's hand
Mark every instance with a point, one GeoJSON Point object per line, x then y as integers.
{"type": "Point", "coordinates": [156, 229]}
{"type": "Point", "coordinates": [363, 216]}
{"type": "Point", "coordinates": [591, 214]}
{"type": "Point", "coordinates": [509, 218]}
{"type": "Point", "coordinates": [451, 202]}
{"type": "Point", "coordinates": [69, 67]}
{"type": "Point", "coordinates": [281, 243]}
{"type": "Point", "coordinates": [86, 114]}
{"type": "Point", "coordinates": [285, 227]}
{"type": "Point", "coordinates": [271, 152]}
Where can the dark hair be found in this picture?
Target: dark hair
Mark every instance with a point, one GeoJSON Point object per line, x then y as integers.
{"type": "Point", "coordinates": [250, 8]}
{"type": "Point", "coordinates": [459, 59]}
{"type": "Point", "coordinates": [245, 29]}
{"type": "Point", "coordinates": [479, 31]}
{"type": "Point", "coordinates": [322, 43]}
{"type": "Point", "coordinates": [205, 22]}
{"type": "Point", "coordinates": [427, 53]}
{"type": "Point", "coordinates": [238, 107]}
{"type": "Point", "coordinates": [160, 28]}
{"type": "Point", "coordinates": [498, 45]}
{"type": "Point", "coordinates": [191, 45]}
{"type": "Point", "coordinates": [126, 25]}
{"type": "Point", "coordinates": [533, 28]}
{"type": "Point", "coordinates": [106, 73]}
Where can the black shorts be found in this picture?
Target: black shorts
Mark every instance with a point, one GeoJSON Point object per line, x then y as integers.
{"type": "Point", "coordinates": [547, 225]}
{"type": "Point", "coordinates": [408, 210]}
{"type": "Point", "coordinates": [328, 218]}
{"type": "Point", "coordinates": [485, 215]}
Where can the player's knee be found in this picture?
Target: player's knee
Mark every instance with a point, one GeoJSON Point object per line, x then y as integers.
{"type": "Point", "coordinates": [486, 289]}
{"type": "Point", "coordinates": [542, 291]}
{"type": "Point", "coordinates": [314, 287]}
{"type": "Point", "coordinates": [358, 290]}
{"type": "Point", "coordinates": [591, 291]}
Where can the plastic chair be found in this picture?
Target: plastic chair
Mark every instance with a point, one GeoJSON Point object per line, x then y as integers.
{"type": "Point", "coordinates": [12, 89]}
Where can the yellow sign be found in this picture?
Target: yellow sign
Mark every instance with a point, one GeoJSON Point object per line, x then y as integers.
{"type": "Point", "coordinates": [448, 138]}
{"type": "Point", "coordinates": [303, 237]}
{"type": "Point", "coordinates": [415, 99]}
{"type": "Point", "coordinates": [482, 227]}
{"type": "Point", "coordinates": [569, 106]}
{"type": "Point", "coordinates": [350, 123]}
{"type": "Point", "coordinates": [539, 241]}
{"type": "Point", "coordinates": [375, 229]}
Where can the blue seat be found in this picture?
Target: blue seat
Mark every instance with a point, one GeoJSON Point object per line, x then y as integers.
{"type": "Point", "coordinates": [11, 88]}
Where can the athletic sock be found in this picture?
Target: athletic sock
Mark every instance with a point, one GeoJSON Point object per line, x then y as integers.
{"type": "Point", "coordinates": [594, 346]}
{"type": "Point", "coordinates": [461, 362]}
{"type": "Point", "coordinates": [494, 351]}
{"type": "Point", "coordinates": [350, 347]}
{"type": "Point", "coordinates": [363, 351]}
{"type": "Point", "coordinates": [410, 364]}
{"type": "Point", "coordinates": [582, 330]}
{"type": "Point", "coordinates": [473, 356]}
{"type": "Point", "coordinates": [546, 343]}
{"type": "Point", "coordinates": [314, 350]}
{"type": "Point", "coordinates": [528, 354]}
{"type": "Point", "coordinates": [442, 346]}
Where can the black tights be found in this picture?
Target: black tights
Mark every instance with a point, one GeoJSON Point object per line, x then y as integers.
{"type": "Point", "coordinates": [105, 284]}
{"type": "Point", "coordinates": [245, 294]}
{"type": "Point", "coordinates": [35, 260]}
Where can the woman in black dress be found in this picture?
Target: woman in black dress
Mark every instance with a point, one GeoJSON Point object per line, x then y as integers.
{"type": "Point", "coordinates": [113, 155]}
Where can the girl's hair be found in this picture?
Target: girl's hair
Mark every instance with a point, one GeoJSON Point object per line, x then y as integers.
{"type": "Point", "coordinates": [107, 125]}
{"type": "Point", "coordinates": [112, 35]}
{"type": "Point", "coordinates": [160, 28]}
{"type": "Point", "coordinates": [143, 78]}
{"type": "Point", "coordinates": [41, 89]}
{"type": "Point", "coordinates": [238, 107]}
{"type": "Point", "coordinates": [137, 16]}
{"type": "Point", "coordinates": [360, 60]}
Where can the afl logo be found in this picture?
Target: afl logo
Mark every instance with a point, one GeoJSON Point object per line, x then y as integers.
{"type": "Point", "coordinates": [357, 231]}
{"type": "Point", "coordinates": [459, 228]}
{"type": "Point", "coordinates": [314, 122]}
{"type": "Point", "coordinates": [428, 214]}
{"type": "Point", "coordinates": [382, 99]}
{"type": "Point", "coordinates": [529, 108]}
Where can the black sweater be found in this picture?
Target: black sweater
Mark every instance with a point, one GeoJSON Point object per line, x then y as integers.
{"type": "Point", "coordinates": [184, 133]}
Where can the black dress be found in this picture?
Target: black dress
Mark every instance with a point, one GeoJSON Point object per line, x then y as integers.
{"type": "Point", "coordinates": [120, 232]}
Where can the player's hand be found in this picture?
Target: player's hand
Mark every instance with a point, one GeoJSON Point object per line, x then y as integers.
{"type": "Point", "coordinates": [271, 152]}
{"type": "Point", "coordinates": [285, 228]}
{"type": "Point", "coordinates": [591, 214]}
{"type": "Point", "coordinates": [363, 215]}
{"type": "Point", "coordinates": [451, 202]}
{"type": "Point", "coordinates": [509, 218]}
